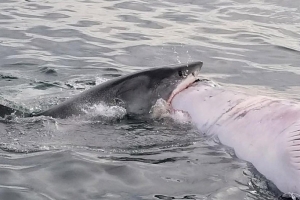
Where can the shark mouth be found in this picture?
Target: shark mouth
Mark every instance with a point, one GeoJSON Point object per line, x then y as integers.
{"type": "Point", "coordinates": [188, 81]}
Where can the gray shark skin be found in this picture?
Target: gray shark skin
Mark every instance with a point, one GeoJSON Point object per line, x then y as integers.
{"type": "Point", "coordinates": [137, 92]}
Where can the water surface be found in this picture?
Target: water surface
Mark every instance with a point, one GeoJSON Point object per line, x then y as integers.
{"type": "Point", "coordinates": [51, 50]}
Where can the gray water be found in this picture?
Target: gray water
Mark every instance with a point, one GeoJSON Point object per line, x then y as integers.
{"type": "Point", "coordinates": [51, 50]}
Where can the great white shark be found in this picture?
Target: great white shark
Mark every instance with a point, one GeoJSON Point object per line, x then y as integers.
{"type": "Point", "coordinates": [136, 92]}
{"type": "Point", "coordinates": [262, 130]}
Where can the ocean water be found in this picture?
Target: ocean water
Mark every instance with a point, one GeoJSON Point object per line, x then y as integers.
{"type": "Point", "coordinates": [51, 50]}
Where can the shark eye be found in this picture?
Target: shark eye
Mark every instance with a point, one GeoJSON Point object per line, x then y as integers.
{"type": "Point", "coordinates": [180, 73]}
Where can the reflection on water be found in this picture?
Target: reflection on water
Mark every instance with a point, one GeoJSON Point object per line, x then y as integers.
{"type": "Point", "coordinates": [50, 50]}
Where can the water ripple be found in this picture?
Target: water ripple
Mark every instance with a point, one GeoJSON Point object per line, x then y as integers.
{"type": "Point", "coordinates": [51, 50]}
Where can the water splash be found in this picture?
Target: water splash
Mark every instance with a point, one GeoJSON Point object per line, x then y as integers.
{"type": "Point", "coordinates": [162, 109]}
{"type": "Point", "coordinates": [103, 110]}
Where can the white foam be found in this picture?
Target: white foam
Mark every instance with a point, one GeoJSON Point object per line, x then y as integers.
{"type": "Point", "coordinates": [162, 109]}
{"type": "Point", "coordinates": [104, 110]}
{"type": "Point", "coordinates": [100, 80]}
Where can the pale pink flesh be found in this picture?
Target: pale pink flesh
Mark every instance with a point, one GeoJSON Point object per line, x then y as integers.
{"type": "Point", "coordinates": [262, 130]}
{"type": "Point", "coordinates": [189, 80]}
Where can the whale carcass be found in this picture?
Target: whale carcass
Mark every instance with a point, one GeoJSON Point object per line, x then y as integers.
{"type": "Point", "coordinates": [262, 130]}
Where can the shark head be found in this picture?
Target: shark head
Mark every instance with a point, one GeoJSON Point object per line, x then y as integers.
{"type": "Point", "coordinates": [140, 91]}
{"type": "Point", "coordinates": [137, 92]}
